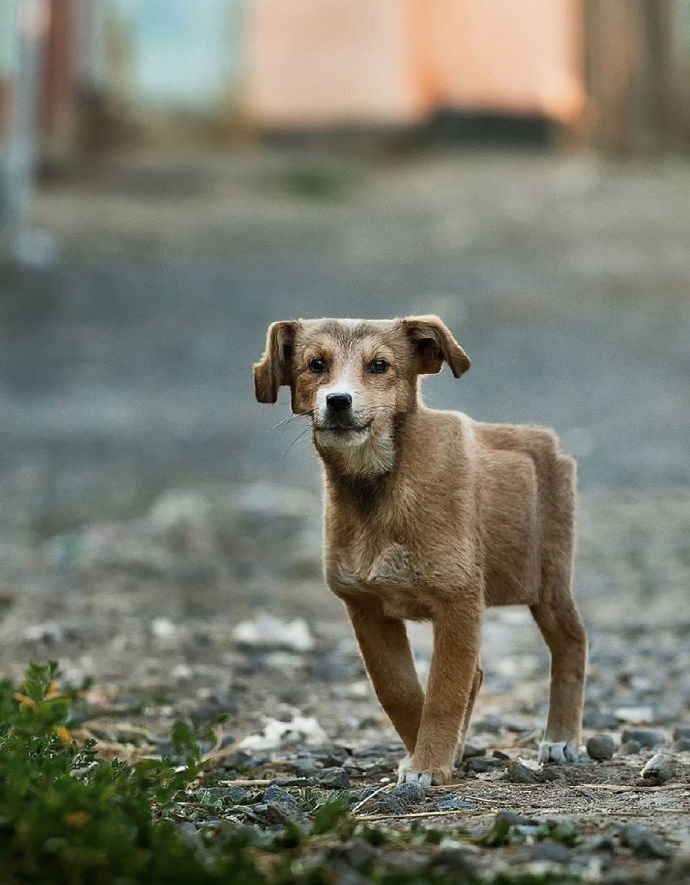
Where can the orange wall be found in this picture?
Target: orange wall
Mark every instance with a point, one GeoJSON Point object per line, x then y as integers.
{"type": "Point", "coordinates": [317, 62]}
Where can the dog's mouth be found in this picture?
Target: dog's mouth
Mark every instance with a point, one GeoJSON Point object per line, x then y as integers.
{"type": "Point", "coordinates": [342, 431]}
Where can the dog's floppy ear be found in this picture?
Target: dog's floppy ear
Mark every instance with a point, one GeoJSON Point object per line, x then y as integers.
{"type": "Point", "coordinates": [433, 343]}
{"type": "Point", "coordinates": [275, 367]}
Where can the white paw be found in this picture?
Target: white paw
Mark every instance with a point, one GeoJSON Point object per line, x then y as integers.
{"type": "Point", "coordinates": [423, 778]}
{"type": "Point", "coordinates": [407, 774]}
{"type": "Point", "coordinates": [559, 752]}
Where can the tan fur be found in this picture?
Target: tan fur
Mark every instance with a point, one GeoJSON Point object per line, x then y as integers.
{"type": "Point", "coordinates": [430, 515]}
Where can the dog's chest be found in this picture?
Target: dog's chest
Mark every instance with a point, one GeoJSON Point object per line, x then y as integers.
{"type": "Point", "coordinates": [406, 580]}
{"type": "Point", "coordinates": [394, 566]}
{"type": "Point", "coordinates": [393, 574]}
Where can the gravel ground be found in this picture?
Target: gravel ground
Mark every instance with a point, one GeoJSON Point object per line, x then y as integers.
{"type": "Point", "coordinates": [161, 537]}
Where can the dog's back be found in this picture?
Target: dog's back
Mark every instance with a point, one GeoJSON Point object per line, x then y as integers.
{"type": "Point", "coordinates": [527, 494]}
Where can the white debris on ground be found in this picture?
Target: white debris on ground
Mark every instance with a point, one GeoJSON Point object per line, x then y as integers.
{"type": "Point", "coordinates": [276, 734]}
{"type": "Point", "coordinates": [267, 631]}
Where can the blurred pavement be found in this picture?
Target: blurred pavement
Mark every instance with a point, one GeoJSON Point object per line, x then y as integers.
{"type": "Point", "coordinates": [126, 366]}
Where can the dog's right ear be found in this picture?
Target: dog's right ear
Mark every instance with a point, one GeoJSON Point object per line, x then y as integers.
{"type": "Point", "coordinates": [275, 367]}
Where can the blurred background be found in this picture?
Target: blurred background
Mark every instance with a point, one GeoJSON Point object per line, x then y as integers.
{"type": "Point", "coordinates": [174, 175]}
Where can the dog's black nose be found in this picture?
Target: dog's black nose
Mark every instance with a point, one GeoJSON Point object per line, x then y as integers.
{"type": "Point", "coordinates": [339, 402]}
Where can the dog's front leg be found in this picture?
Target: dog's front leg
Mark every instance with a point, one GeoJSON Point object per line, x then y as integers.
{"type": "Point", "coordinates": [388, 658]}
{"type": "Point", "coordinates": [451, 679]}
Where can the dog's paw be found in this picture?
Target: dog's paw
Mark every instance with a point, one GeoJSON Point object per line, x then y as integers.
{"type": "Point", "coordinates": [559, 752]}
{"type": "Point", "coordinates": [423, 778]}
{"type": "Point", "coordinates": [408, 774]}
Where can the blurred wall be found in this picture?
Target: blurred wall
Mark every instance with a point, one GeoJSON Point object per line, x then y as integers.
{"type": "Point", "coordinates": [170, 53]}
{"type": "Point", "coordinates": [317, 62]}
{"type": "Point", "coordinates": [617, 71]}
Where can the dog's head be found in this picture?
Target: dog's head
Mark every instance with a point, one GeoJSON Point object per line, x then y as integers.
{"type": "Point", "coordinates": [353, 377]}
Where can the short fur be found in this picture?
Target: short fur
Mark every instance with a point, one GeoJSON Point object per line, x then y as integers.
{"type": "Point", "coordinates": [430, 515]}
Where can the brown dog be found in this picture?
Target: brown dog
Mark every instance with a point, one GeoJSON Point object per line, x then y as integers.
{"type": "Point", "coordinates": [430, 515]}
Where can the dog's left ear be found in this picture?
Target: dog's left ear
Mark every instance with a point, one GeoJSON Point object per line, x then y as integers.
{"type": "Point", "coordinates": [275, 367]}
{"type": "Point", "coordinates": [433, 343]}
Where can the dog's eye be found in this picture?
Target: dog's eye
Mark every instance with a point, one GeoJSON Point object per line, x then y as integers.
{"type": "Point", "coordinates": [379, 366]}
{"type": "Point", "coordinates": [317, 365]}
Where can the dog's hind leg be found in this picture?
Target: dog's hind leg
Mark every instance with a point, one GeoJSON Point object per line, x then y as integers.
{"type": "Point", "coordinates": [388, 658]}
{"type": "Point", "coordinates": [566, 638]}
{"type": "Point", "coordinates": [476, 685]}
{"type": "Point", "coordinates": [560, 623]}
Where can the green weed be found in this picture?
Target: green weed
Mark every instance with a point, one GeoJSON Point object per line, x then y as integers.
{"type": "Point", "coordinates": [67, 816]}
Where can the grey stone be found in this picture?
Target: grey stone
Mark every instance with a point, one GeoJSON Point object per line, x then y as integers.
{"type": "Point", "coordinates": [681, 732]}
{"type": "Point", "coordinates": [629, 748]}
{"type": "Point", "coordinates": [455, 861]}
{"type": "Point", "coordinates": [278, 813]}
{"type": "Point", "coordinates": [237, 795]}
{"type": "Point", "coordinates": [277, 794]}
{"type": "Point", "coordinates": [482, 764]}
{"type": "Point", "coordinates": [454, 803]}
{"type": "Point", "coordinates": [600, 747]}
{"type": "Point", "coordinates": [386, 803]}
{"type": "Point", "coordinates": [643, 842]}
{"type": "Point", "coordinates": [518, 773]}
{"type": "Point", "coordinates": [659, 769]}
{"type": "Point", "coordinates": [552, 773]}
{"type": "Point", "coordinates": [409, 794]}
{"type": "Point", "coordinates": [682, 745]}
{"type": "Point", "coordinates": [281, 806]}
{"type": "Point", "coordinates": [357, 853]}
{"type": "Point", "coordinates": [599, 719]}
{"type": "Point", "coordinates": [470, 751]}
{"type": "Point", "coordinates": [554, 852]}
{"type": "Point", "coordinates": [333, 756]}
{"type": "Point", "coordinates": [333, 779]}
{"type": "Point", "coordinates": [646, 737]}
{"type": "Point", "coordinates": [600, 843]}
{"type": "Point", "coordinates": [304, 766]}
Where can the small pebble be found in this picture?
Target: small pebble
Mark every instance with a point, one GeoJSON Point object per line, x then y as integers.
{"type": "Point", "coordinates": [553, 852]}
{"type": "Point", "coordinates": [644, 843]}
{"type": "Point", "coordinates": [455, 861]}
{"type": "Point", "coordinates": [629, 748]}
{"type": "Point", "coordinates": [356, 854]}
{"type": "Point", "coordinates": [470, 752]}
{"type": "Point", "coordinates": [681, 732]}
{"type": "Point", "coordinates": [334, 757]}
{"type": "Point", "coordinates": [454, 803]}
{"type": "Point", "coordinates": [659, 769]}
{"type": "Point", "coordinates": [304, 766]}
{"type": "Point", "coordinates": [600, 747]}
{"type": "Point", "coordinates": [333, 779]}
{"type": "Point", "coordinates": [281, 807]}
{"type": "Point", "coordinates": [600, 719]}
{"type": "Point", "coordinates": [409, 794]}
{"type": "Point", "coordinates": [482, 764]}
{"type": "Point", "coordinates": [519, 774]}
{"type": "Point", "coordinates": [550, 773]}
{"type": "Point", "coordinates": [645, 737]}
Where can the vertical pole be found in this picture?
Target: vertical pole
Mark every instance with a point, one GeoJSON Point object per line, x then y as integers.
{"type": "Point", "coordinates": [27, 20]}
{"type": "Point", "coordinates": [630, 72]}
